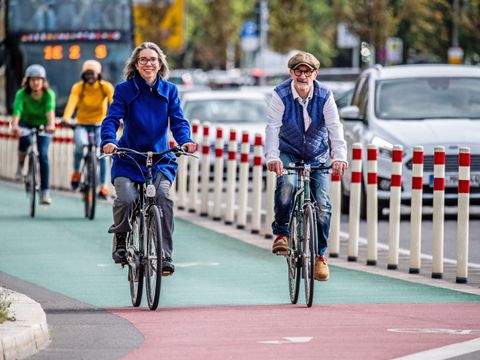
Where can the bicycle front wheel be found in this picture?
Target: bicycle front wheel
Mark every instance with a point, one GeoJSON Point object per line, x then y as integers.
{"type": "Point", "coordinates": [153, 263]}
{"type": "Point", "coordinates": [31, 182]}
{"type": "Point", "coordinates": [134, 258]}
{"type": "Point", "coordinates": [293, 262]}
{"type": "Point", "coordinates": [90, 186]}
{"type": "Point", "coordinates": [309, 240]}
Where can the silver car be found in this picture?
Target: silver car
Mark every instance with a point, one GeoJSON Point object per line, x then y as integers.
{"type": "Point", "coordinates": [412, 105]}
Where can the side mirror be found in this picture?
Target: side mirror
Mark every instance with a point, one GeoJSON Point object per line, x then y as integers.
{"type": "Point", "coordinates": [350, 113]}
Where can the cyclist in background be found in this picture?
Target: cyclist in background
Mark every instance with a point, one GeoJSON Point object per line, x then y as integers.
{"type": "Point", "coordinates": [149, 105]}
{"type": "Point", "coordinates": [34, 106]}
{"type": "Point", "coordinates": [303, 124]}
{"type": "Point", "coordinates": [90, 97]}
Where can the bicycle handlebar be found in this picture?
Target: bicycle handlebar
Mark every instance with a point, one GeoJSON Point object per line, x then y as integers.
{"type": "Point", "coordinates": [177, 151]}
{"type": "Point", "coordinates": [300, 167]}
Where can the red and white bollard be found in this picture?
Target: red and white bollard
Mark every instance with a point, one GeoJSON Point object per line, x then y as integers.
{"type": "Point", "coordinates": [269, 211]}
{"type": "Point", "coordinates": [395, 202]}
{"type": "Point", "coordinates": [173, 188]}
{"type": "Point", "coordinates": [243, 182]}
{"type": "Point", "coordinates": [438, 211]}
{"type": "Point", "coordinates": [416, 211]}
{"type": "Point", "coordinates": [355, 192]}
{"type": "Point", "coordinates": [193, 170]}
{"type": "Point", "coordinates": [182, 182]}
{"type": "Point", "coordinates": [205, 170]}
{"type": "Point", "coordinates": [218, 176]}
{"type": "Point", "coordinates": [257, 184]}
{"type": "Point", "coordinates": [463, 214]}
{"type": "Point", "coordinates": [372, 204]}
{"type": "Point", "coordinates": [231, 177]}
{"type": "Point", "coordinates": [335, 200]}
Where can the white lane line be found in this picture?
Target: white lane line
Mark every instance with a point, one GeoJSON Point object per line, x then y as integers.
{"type": "Point", "coordinates": [445, 352]}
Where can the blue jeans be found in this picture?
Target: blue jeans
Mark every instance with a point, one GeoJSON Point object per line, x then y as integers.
{"type": "Point", "coordinates": [284, 194]}
{"type": "Point", "coordinates": [43, 143]}
{"type": "Point", "coordinates": [81, 139]}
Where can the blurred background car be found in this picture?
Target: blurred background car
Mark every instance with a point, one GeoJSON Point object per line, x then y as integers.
{"type": "Point", "coordinates": [411, 105]}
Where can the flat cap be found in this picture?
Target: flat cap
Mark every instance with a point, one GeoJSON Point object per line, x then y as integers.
{"type": "Point", "coordinates": [303, 58]}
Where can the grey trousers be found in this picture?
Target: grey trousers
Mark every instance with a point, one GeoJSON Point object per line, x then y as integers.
{"type": "Point", "coordinates": [124, 204]}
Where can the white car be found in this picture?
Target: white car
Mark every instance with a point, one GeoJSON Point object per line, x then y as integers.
{"type": "Point", "coordinates": [239, 110]}
{"type": "Point", "coordinates": [413, 105]}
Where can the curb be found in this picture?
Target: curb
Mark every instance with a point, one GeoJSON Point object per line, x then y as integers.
{"type": "Point", "coordinates": [28, 334]}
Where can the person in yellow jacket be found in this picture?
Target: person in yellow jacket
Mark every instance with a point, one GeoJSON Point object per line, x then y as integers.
{"type": "Point", "coordinates": [90, 98]}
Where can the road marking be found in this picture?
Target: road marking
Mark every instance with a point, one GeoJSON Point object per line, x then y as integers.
{"type": "Point", "coordinates": [445, 352]}
{"type": "Point", "coordinates": [191, 264]}
{"type": "Point", "coordinates": [434, 331]}
{"type": "Point", "coordinates": [288, 340]}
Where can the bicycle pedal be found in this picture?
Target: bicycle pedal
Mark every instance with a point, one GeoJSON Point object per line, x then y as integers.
{"type": "Point", "coordinates": [167, 273]}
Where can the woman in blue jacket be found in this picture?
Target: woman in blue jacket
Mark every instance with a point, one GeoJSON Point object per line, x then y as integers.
{"type": "Point", "coordinates": [148, 105]}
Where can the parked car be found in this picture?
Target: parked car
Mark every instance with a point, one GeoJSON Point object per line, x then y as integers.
{"type": "Point", "coordinates": [343, 99]}
{"type": "Point", "coordinates": [413, 105]}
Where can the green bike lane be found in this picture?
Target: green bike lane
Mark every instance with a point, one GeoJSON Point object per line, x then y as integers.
{"type": "Point", "coordinates": [228, 299]}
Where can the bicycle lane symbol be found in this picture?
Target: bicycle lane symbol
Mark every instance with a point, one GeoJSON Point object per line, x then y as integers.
{"type": "Point", "coordinates": [436, 331]}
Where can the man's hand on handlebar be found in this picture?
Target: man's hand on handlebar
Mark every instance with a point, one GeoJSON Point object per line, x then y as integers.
{"type": "Point", "coordinates": [276, 166]}
{"type": "Point", "coordinates": [109, 148]}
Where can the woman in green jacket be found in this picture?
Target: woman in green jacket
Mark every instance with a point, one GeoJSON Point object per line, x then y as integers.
{"type": "Point", "coordinates": [34, 106]}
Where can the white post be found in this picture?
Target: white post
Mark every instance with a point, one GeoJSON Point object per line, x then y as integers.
{"type": "Point", "coordinates": [270, 214]}
{"type": "Point", "coordinates": [231, 177]}
{"type": "Point", "coordinates": [193, 170]}
{"type": "Point", "coordinates": [257, 184]}
{"type": "Point", "coordinates": [463, 214]}
{"type": "Point", "coordinates": [395, 201]}
{"type": "Point", "coordinates": [335, 199]}
{"type": "Point", "coordinates": [416, 211]}
{"type": "Point", "coordinates": [243, 182]}
{"type": "Point", "coordinates": [372, 204]}
{"type": "Point", "coordinates": [205, 170]}
{"type": "Point", "coordinates": [438, 211]}
{"type": "Point", "coordinates": [355, 192]}
{"type": "Point", "coordinates": [218, 176]}
{"type": "Point", "coordinates": [182, 182]}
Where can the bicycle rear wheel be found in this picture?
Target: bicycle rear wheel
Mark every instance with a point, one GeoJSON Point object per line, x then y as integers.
{"type": "Point", "coordinates": [90, 185]}
{"type": "Point", "coordinates": [293, 262]}
{"type": "Point", "coordinates": [309, 240]}
{"type": "Point", "coordinates": [31, 182]}
{"type": "Point", "coordinates": [153, 263]}
{"type": "Point", "coordinates": [134, 257]}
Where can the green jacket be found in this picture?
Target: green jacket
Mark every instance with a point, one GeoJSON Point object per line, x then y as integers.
{"type": "Point", "coordinates": [33, 112]}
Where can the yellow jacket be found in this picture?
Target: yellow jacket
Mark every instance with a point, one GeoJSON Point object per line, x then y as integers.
{"type": "Point", "coordinates": [91, 102]}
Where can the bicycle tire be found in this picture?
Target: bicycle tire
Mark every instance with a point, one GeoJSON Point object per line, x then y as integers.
{"type": "Point", "coordinates": [308, 263]}
{"type": "Point", "coordinates": [153, 257]}
{"type": "Point", "coordinates": [32, 183]}
{"type": "Point", "coordinates": [135, 254]}
{"type": "Point", "coordinates": [90, 186]}
{"type": "Point", "coordinates": [293, 262]}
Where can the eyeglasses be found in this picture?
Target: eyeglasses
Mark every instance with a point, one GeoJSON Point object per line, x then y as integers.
{"type": "Point", "coordinates": [145, 60]}
{"type": "Point", "coordinates": [307, 73]}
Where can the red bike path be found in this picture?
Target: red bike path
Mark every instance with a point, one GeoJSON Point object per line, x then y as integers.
{"type": "Point", "coordinates": [229, 299]}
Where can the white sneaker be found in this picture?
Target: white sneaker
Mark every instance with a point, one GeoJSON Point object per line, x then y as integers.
{"type": "Point", "coordinates": [45, 198]}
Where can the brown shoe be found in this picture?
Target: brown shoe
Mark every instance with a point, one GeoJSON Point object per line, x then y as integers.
{"type": "Point", "coordinates": [321, 269]}
{"type": "Point", "coordinates": [280, 245]}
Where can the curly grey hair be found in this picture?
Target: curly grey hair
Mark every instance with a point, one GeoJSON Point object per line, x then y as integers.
{"type": "Point", "coordinates": [129, 70]}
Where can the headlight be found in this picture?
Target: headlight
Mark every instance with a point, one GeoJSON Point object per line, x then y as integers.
{"type": "Point", "coordinates": [384, 147]}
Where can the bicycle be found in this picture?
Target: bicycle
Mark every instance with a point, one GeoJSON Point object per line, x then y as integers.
{"type": "Point", "coordinates": [303, 237]}
{"type": "Point", "coordinates": [144, 241]}
{"type": "Point", "coordinates": [88, 170]}
{"type": "Point", "coordinates": [32, 187]}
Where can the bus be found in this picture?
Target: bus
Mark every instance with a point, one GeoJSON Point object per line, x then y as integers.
{"type": "Point", "coordinates": [61, 35]}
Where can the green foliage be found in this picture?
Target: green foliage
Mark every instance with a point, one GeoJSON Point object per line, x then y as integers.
{"type": "Point", "coordinates": [5, 303]}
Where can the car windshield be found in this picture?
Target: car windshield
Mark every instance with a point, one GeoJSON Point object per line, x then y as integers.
{"type": "Point", "coordinates": [226, 110]}
{"type": "Point", "coordinates": [428, 98]}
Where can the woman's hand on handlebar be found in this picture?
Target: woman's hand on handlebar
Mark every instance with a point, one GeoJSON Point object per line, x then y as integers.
{"type": "Point", "coordinates": [109, 148]}
{"type": "Point", "coordinates": [189, 147]}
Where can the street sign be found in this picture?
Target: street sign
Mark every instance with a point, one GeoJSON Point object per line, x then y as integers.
{"type": "Point", "coordinates": [455, 55]}
{"type": "Point", "coordinates": [394, 48]}
{"type": "Point", "coordinates": [249, 39]}
{"type": "Point", "coordinates": [345, 38]}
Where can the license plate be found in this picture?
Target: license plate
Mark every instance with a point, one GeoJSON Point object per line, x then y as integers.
{"type": "Point", "coordinates": [452, 180]}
